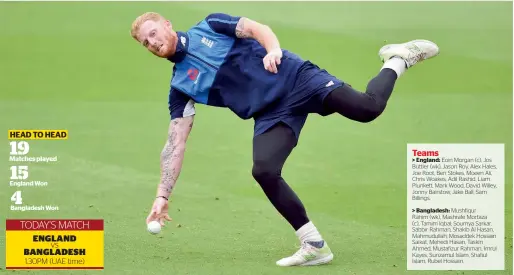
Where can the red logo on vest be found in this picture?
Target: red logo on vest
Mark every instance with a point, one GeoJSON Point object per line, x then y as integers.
{"type": "Point", "coordinates": [192, 73]}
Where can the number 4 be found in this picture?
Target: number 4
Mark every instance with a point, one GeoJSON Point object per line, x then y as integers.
{"type": "Point", "coordinates": [16, 197]}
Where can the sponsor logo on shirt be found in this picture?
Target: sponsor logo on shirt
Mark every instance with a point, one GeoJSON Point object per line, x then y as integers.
{"type": "Point", "coordinates": [209, 43]}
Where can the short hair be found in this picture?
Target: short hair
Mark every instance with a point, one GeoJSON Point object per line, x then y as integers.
{"type": "Point", "coordinates": [153, 16]}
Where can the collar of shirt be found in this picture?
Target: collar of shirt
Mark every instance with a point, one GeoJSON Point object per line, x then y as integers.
{"type": "Point", "coordinates": [181, 48]}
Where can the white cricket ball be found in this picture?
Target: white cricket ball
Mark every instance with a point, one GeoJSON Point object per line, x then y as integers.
{"type": "Point", "coordinates": [154, 227]}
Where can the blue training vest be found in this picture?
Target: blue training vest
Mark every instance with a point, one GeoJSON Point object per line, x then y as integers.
{"type": "Point", "coordinates": [215, 68]}
{"type": "Point", "coordinates": [206, 51]}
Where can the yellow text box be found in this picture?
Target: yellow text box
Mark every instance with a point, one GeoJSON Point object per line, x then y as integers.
{"type": "Point", "coordinates": [37, 134]}
{"type": "Point", "coordinates": [46, 245]}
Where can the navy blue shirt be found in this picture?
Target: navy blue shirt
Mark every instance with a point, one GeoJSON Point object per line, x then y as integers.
{"type": "Point", "coordinates": [215, 68]}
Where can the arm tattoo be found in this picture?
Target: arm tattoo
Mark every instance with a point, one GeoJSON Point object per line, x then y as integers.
{"type": "Point", "coordinates": [172, 156]}
{"type": "Point", "coordinates": [168, 173]}
{"type": "Point", "coordinates": [241, 32]}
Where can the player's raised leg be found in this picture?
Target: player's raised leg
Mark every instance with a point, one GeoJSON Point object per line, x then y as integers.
{"type": "Point", "coordinates": [397, 58]}
{"type": "Point", "coordinates": [270, 151]}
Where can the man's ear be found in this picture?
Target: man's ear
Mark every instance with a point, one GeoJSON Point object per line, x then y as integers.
{"type": "Point", "coordinates": [168, 24]}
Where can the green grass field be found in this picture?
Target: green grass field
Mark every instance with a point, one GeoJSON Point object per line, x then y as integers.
{"type": "Point", "coordinates": [74, 66]}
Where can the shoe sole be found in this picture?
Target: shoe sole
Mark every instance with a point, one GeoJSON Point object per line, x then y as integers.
{"type": "Point", "coordinates": [320, 261]}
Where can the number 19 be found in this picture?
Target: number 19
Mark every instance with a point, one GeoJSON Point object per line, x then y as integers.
{"type": "Point", "coordinates": [19, 148]}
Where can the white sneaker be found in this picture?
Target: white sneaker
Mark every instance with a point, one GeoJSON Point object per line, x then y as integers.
{"type": "Point", "coordinates": [411, 52]}
{"type": "Point", "coordinates": [308, 255]}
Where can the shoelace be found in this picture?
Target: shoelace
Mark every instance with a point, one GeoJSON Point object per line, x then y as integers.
{"type": "Point", "coordinates": [303, 248]}
{"type": "Point", "coordinates": [418, 54]}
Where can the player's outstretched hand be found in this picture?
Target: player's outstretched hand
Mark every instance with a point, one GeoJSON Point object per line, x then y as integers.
{"type": "Point", "coordinates": [272, 60]}
{"type": "Point", "coordinates": [159, 211]}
